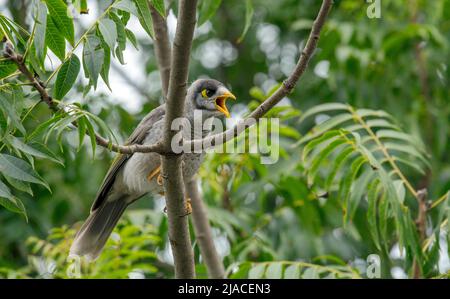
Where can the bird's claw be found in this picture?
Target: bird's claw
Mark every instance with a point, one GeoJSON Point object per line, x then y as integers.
{"type": "Point", "coordinates": [153, 173]}
{"type": "Point", "coordinates": [188, 208]}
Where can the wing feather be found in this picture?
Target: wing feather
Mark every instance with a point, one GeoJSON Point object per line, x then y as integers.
{"type": "Point", "coordinates": [137, 137]}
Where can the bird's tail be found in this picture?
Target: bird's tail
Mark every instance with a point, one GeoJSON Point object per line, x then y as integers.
{"type": "Point", "coordinates": [95, 231]}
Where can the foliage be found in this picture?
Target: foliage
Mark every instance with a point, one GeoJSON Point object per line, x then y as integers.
{"type": "Point", "coordinates": [366, 129]}
{"type": "Point", "coordinates": [291, 270]}
{"type": "Point", "coordinates": [130, 252]}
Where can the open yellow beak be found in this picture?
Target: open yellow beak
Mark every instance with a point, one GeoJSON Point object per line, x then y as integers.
{"type": "Point", "coordinates": [221, 102]}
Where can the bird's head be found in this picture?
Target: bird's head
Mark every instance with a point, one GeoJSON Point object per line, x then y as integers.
{"type": "Point", "coordinates": [209, 96]}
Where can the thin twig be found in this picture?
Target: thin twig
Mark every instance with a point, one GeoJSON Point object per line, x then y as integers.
{"type": "Point", "coordinates": [101, 141]}
{"type": "Point", "coordinates": [259, 112]}
{"type": "Point", "coordinates": [287, 86]}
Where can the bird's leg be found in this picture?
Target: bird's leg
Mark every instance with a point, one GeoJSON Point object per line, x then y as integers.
{"type": "Point", "coordinates": [153, 173]}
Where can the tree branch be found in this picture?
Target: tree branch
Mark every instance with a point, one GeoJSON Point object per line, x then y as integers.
{"type": "Point", "coordinates": [202, 228]}
{"type": "Point", "coordinates": [220, 138]}
{"type": "Point", "coordinates": [203, 232]}
{"type": "Point", "coordinates": [162, 48]}
{"type": "Point", "coordinates": [421, 224]}
{"type": "Point", "coordinates": [41, 89]}
{"type": "Point", "coordinates": [38, 85]}
{"type": "Point", "coordinates": [171, 165]}
{"type": "Point", "coordinates": [287, 86]}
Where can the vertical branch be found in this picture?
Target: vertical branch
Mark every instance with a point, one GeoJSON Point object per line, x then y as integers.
{"type": "Point", "coordinates": [421, 224]}
{"type": "Point", "coordinates": [162, 48]}
{"type": "Point", "coordinates": [171, 164]}
{"type": "Point", "coordinates": [423, 76]}
{"type": "Point", "coordinates": [203, 232]}
{"type": "Point", "coordinates": [199, 214]}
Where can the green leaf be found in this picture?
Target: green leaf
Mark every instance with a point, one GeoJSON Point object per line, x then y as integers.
{"type": "Point", "coordinates": [126, 5]}
{"type": "Point", "coordinates": [375, 113]}
{"type": "Point", "coordinates": [323, 154]}
{"type": "Point", "coordinates": [292, 272]}
{"type": "Point", "coordinates": [316, 142]}
{"type": "Point", "coordinates": [359, 188]}
{"type": "Point", "coordinates": [67, 76]}
{"type": "Point", "coordinates": [132, 38]}
{"type": "Point", "coordinates": [55, 40]}
{"type": "Point", "coordinates": [121, 34]}
{"type": "Point", "coordinates": [372, 198]}
{"type": "Point", "coordinates": [407, 149]}
{"type": "Point", "coordinates": [346, 184]}
{"type": "Point", "coordinates": [106, 65]}
{"type": "Point", "coordinates": [208, 10]}
{"type": "Point", "coordinates": [391, 134]}
{"type": "Point", "coordinates": [7, 67]}
{"type": "Point", "coordinates": [257, 93]}
{"type": "Point", "coordinates": [409, 163]}
{"type": "Point", "coordinates": [337, 164]}
{"type": "Point", "coordinates": [23, 147]}
{"type": "Point", "coordinates": [327, 125]}
{"type": "Point", "coordinates": [381, 123]}
{"type": "Point", "coordinates": [400, 188]}
{"type": "Point", "coordinates": [20, 170]}
{"type": "Point", "coordinates": [311, 273]}
{"type": "Point", "coordinates": [274, 271]}
{"type": "Point", "coordinates": [119, 55]}
{"type": "Point", "coordinates": [59, 14]}
{"type": "Point", "coordinates": [323, 108]}
{"type": "Point", "coordinates": [45, 125]}
{"type": "Point", "coordinates": [4, 191]}
{"type": "Point", "coordinates": [7, 30]}
{"type": "Point", "coordinates": [19, 185]}
{"type": "Point", "coordinates": [93, 58]}
{"type": "Point", "coordinates": [144, 16]}
{"type": "Point", "coordinates": [108, 30]}
{"type": "Point", "coordinates": [257, 271]}
{"type": "Point", "coordinates": [41, 25]}
{"type": "Point", "coordinates": [105, 128]}
{"type": "Point", "coordinates": [158, 5]}
{"type": "Point", "coordinates": [91, 132]}
{"type": "Point", "coordinates": [81, 131]}
{"type": "Point", "coordinates": [8, 106]}
{"type": "Point", "coordinates": [249, 11]}
{"type": "Point", "coordinates": [9, 201]}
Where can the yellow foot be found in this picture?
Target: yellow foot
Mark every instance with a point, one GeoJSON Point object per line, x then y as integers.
{"type": "Point", "coordinates": [188, 208]}
{"type": "Point", "coordinates": [153, 173]}
{"type": "Point", "coordinates": [159, 180]}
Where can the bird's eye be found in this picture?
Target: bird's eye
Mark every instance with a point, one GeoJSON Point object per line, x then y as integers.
{"type": "Point", "coordinates": [207, 93]}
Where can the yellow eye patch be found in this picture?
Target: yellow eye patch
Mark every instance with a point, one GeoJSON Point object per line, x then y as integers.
{"type": "Point", "coordinates": [204, 93]}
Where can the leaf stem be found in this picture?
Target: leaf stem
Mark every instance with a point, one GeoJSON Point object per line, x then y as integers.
{"type": "Point", "coordinates": [385, 152]}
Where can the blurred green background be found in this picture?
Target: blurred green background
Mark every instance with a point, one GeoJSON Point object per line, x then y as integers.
{"type": "Point", "coordinates": [259, 213]}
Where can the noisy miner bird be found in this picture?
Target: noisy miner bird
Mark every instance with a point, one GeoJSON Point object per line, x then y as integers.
{"type": "Point", "coordinates": [133, 176]}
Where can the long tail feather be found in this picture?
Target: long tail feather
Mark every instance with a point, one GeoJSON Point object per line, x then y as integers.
{"type": "Point", "coordinates": [95, 231]}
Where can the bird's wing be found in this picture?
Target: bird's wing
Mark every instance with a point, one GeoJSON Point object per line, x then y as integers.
{"type": "Point", "coordinates": [137, 137]}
